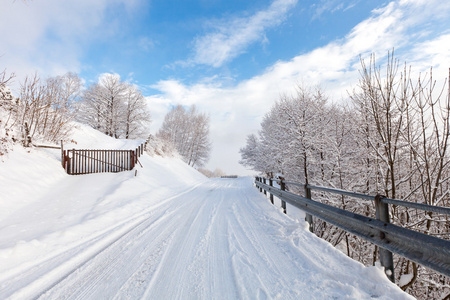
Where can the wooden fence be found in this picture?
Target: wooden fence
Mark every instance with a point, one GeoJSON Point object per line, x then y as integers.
{"type": "Point", "coordinates": [87, 161]}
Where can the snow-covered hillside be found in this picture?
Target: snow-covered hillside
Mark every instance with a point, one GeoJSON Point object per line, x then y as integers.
{"type": "Point", "coordinates": [167, 233]}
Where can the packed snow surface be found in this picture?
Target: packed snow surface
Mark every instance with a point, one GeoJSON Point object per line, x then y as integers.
{"type": "Point", "coordinates": [167, 233]}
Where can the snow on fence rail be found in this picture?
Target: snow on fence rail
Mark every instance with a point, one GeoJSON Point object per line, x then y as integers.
{"type": "Point", "coordinates": [424, 249]}
{"type": "Point", "coordinates": [87, 161]}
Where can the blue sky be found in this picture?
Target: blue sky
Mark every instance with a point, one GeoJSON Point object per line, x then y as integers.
{"type": "Point", "coordinates": [230, 58]}
{"type": "Point", "coordinates": [164, 39]}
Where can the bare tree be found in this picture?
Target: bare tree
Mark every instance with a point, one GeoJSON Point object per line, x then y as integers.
{"type": "Point", "coordinates": [5, 93]}
{"type": "Point", "coordinates": [7, 102]}
{"type": "Point", "coordinates": [407, 125]}
{"type": "Point", "coordinates": [111, 93]}
{"type": "Point", "coordinates": [45, 108]}
{"type": "Point", "coordinates": [136, 115]}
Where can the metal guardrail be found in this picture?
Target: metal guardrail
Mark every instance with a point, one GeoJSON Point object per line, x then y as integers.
{"type": "Point", "coordinates": [424, 249]}
{"type": "Point", "coordinates": [436, 209]}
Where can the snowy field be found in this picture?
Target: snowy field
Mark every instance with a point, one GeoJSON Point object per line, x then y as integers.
{"type": "Point", "coordinates": [167, 233]}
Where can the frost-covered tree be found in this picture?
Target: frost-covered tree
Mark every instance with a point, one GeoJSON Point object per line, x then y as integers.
{"type": "Point", "coordinates": [391, 140]}
{"type": "Point", "coordinates": [291, 137]}
{"type": "Point", "coordinates": [188, 130]}
{"type": "Point", "coordinates": [250, 154]}
{"type": "Point", "coordinates": [115, 107]}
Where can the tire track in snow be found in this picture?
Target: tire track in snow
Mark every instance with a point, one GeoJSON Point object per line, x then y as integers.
{"type": "Point", "coordinates": [175, 270]}
{"type": "Point", "coordinates": [68, 260]}
{"type": "Point", "coordinates": [261, 267]}
{"type": "Point", "coordinates": [150, 242]}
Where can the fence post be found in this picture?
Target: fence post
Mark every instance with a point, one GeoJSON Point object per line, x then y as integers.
{"type": "Point", "coordinates": [62, 154]}
{"type": "Point", "coordinates": [382, 214]}
{"type": "Point", "coordinates": [64, 161]}
{"type": "Point", "coordinates": [68, 162]}
{"type": "Point", "coordinates": [308, 217]}
{"type": "Point", "coordinates": [271, 195]}
{"type": "Point", "coordinates": [260, 180]}
{"type": "Point", "coordinates": [283, 188]}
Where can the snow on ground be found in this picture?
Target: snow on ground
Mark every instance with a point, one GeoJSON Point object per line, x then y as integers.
{"type": "Point", "coordinates": [167, 233]}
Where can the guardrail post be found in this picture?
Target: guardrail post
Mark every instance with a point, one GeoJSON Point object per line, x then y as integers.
{"type": "Point", "coordinates": [265, 192]}
{"type": "Point", "coordinates": [260, 180]}
{"type": "Point", "coordinates": [308, 217]}
{"type": "Point", "coordinates": [382, 214]}
{"type": "Point", "coordinates": [283, 188]}
{"type": "Point", "coordinates": [271, 195]}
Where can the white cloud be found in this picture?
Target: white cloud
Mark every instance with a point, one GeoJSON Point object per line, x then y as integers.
{"type": "Point", "coordinates": [230, 38]}
{"type": "Point", "coordinates": [48, 36]}
{"type": "Point", "coordinates": [237, 111]}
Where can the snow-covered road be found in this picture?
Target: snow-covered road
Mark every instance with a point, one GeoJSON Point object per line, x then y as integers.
{"type": "Point", "coordinates": [218, 240]}
{"type": "Point", "coordinates": [167, 233]}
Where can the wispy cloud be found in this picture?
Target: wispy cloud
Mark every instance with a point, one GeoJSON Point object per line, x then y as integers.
{"type": "Point", "coordinates": [332, 6]}
{"type": "Point", "coordinates": [230, 38]}
{"type": "Point", "coordinates": [411, 27]}
{"type": "Point", "coordinates": [146, 44]}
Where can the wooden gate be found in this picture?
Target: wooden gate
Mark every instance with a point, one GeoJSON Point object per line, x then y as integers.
{"type": "Point", "coordinates": [84, 161]}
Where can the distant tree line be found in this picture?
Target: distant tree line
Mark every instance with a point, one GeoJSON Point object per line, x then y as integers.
{"type": "Point", "coordinates": [210, 174]}
{"type": "Point", "coordinates": [392, 139]}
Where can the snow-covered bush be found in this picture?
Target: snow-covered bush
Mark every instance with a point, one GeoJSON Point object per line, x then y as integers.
{"type": "Point", "coordinates": [157, 145]}
{"type": "Point", "coordinates": [210, 174]}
